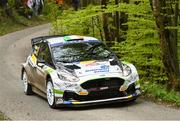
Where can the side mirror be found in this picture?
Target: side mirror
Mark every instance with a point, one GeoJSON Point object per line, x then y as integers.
{"type": "Point", "coordinates": [113, 62]}
{"type": "Point", "coordinates": [40, 62]}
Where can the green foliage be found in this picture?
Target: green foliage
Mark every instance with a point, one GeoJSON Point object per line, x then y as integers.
{"type": "Point", "coordinates": [81, 22]}
{"type": "Point", "coordinates": [11, 3]}
{"type": "Point", "coordinates": [52, 11]}
{"type": "Point", "coordinates": [142, 45]}
{"type": "Point", "coordinates": [18, 22]}
{"type": "Point", "coordinates": [154, 90]}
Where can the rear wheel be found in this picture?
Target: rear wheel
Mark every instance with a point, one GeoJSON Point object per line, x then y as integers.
{"type": "Point", "coordinates": [50, 94]}
{"type": "Point", "coordinates": [27, 87]}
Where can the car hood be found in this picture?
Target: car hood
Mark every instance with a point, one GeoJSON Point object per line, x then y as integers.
{"type": "Point", "coordinates": [87, 68]}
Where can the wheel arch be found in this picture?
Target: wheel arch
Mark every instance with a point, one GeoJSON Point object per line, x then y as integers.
{"type": "Point", "coordinates": [22, 70]}
{"type": "Point", "coordinates": [48, 77]}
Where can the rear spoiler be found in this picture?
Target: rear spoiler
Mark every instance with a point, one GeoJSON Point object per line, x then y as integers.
{"type": "Point", "coordinates": [37, 40]}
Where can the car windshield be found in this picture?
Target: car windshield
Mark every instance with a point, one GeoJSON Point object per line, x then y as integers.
{"type": "Point", "coordinates": [84, 51]}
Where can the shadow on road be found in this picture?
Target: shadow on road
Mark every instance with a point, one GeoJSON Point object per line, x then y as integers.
{"type": "Point", "coordinates": [101, 106]}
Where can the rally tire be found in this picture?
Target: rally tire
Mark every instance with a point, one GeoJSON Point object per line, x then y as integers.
{"type": "Point", "coordinates": [50, 94]}
{"type": "Point", "coordinates": [27, 87]}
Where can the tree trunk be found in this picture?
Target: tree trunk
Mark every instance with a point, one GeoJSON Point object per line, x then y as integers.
{"type": "Point", "coordinates": [176, 17]}
{"type": "Point", "coordinates": [123, 20]}
{"type": "Point", "coordinates": [176, 24]}
{"type": "Point", "coordinates": [168, 42]}
{"type": "Point", "coordinates": [117, 18]}
{"type": "Point", "coordinates": [105, 23]}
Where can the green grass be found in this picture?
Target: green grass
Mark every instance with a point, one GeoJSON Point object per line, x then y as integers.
{"type": "Point", "coordinates": [3, 117]}
{"type": "Point", "coordinates": [8, 25]}
{"type": "Point", "coordinates": [161, 94]}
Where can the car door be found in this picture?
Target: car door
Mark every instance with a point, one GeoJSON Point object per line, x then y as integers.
{"type": "Point", "coordinates": [43, 59]}
{"type": "Point", "coordinates": [32, 64]}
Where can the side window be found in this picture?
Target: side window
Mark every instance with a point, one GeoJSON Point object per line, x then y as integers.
{"type": "Point", "coordinates": [44, 54]}
{"type": "Point", "coordinates": [36, 49]}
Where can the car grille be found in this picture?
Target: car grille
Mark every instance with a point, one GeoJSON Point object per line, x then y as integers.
{"type": "Point", "coordinates": [99, 83]}
{"type": "Point", "coordinates": [101, 89]}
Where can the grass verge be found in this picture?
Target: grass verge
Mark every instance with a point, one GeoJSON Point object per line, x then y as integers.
{"type": "Point", "coordinates": [159, 93]}
{"type": "Point", "coordinates": [17, 22]}
{"type": "Point", "coordinates": [3, 117]}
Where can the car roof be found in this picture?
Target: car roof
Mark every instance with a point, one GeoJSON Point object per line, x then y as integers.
{"type": "Point", "coordinates": [70, 39]}
{"type": "Point", "coordinates": [64, 39]}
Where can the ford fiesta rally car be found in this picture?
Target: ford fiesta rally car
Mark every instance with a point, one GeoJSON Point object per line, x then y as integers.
{"type": "Point", "coordinates": [76, 71]}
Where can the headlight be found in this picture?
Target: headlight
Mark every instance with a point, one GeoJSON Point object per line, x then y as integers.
{"type": "Point", "coordinates": [68, 78]}
{"type": "Point", "coordinates": [126, 70]}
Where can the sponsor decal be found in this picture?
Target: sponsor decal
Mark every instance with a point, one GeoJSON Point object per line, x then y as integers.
{"type": "Point", "coordinates": [104, 88]}
{"type": "Point", "coordinates": [130, 96]}
{"type": "Point", "coordinates": [48, 70]}
{"type": "Point", "coordinates": [58, 91]}
{"type": "Point", "coordinates": [86, 63]}
{"type": "Point", "coordinates": [66, 38]}
{"type": "Point", "coordinates": [93, 64]}
{"type": "Point", "coordinates": [83, 93]}
{"type": "Point", "coordinates": [34, 59]}
{"type": "Point", "coordinates": [98, 89]}
{"type": "Point", "coordinates": [76, 103]}
{"type": "Point", "coordinates": [103, 68]}
{"type": "Point", "coordinates": [67, 102]}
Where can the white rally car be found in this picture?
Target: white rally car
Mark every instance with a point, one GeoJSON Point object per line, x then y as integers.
{"type": "Point", "coordinates": [78, 71]}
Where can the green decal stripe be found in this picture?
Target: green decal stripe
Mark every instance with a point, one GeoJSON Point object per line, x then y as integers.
{"type": "Point", "coordinates": [66, 38]}
{"type": "Point", "coordinates": [49, 70]}
{"type": "Point", "coordinates": [58, 92]}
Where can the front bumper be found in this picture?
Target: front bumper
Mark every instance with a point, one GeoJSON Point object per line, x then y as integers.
{"type": "Point", "coordinates": [74, 103]}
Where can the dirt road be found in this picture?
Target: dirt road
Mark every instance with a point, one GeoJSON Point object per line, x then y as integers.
{"type": "Point", "coordinates": [14, 49]}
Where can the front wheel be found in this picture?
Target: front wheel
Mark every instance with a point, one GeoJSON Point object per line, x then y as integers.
{"type": "Point", "coordinates": [27, 87]}
{"type": "Point", "coordinates": [50, 94]}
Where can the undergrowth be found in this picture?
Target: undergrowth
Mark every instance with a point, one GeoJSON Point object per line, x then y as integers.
{"type": "Point", "coordinates": [17, 22]}
{"type": "Point", "coordinates": [3, 117]}
{"type": "Point", "coordinates": [161, 94]}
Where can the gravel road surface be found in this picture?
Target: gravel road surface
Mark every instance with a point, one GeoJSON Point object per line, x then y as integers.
{"type": "Point", "coordinates": [14, 49]}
